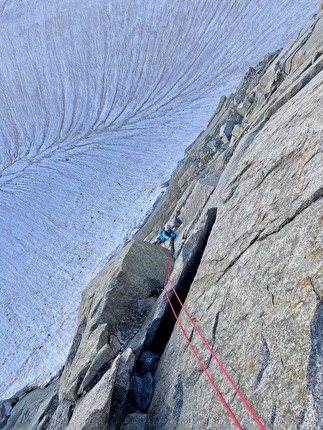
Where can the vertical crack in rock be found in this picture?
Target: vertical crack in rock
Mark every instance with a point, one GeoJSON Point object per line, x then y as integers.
{"type": "Point", "coordinates": [215, 326]}
{"type": "Point", "coordinates": [208, 361]}
{"type": "Point", "coordinates": [314, 371]}
{"type": "Point", "coordinates": [177, 402]}
{"type": "Point", "coordinates": [314, 289]}
{"type": "Point", "coordinates": [301, 418]}
{"type": "Point", "coordinates": [271, 295]}
{"type": "Point", "coordinates": [273, 415]}
{"type": "Point", "coordinates": [163, 333]}
{"type": "Point", "coordinates": [191, 335]}
{"type": "Point", "coordinates": [265, 356]}
{"type": "Point", "coordinates": [140, 393]}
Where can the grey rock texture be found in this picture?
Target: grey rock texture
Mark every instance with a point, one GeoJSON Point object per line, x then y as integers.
{"type": "Point", "coordinates": [248, 209]}
{"type": "Point", "coordinates": [92, 411]}
{"type": "Point", "coordinates": [121, 390]}
{"type": "Point", "coordinates": [142, 390]}
{"type": "Point", "coordinates": [114, 321]}
{"type": "Point", "coordinates": [61, 416]}
{"type": "Point", "coordinates": [112, 306]}
{"type": "Point", "coordinates": [134, 422]}
{"type": "Point", "coordinates": [257, 294]}
{"type": "Point", "coordinates": [32, 411]}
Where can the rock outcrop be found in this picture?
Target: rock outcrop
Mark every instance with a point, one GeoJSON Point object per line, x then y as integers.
{"type": "Point", "coordinates": [248, 209]}
{"type": "Point", "coordinates": [35, 409]}
{"type": "Point", "coordinates": [257, 294]}
{"type": "Point", "coordinates": [111, 332]}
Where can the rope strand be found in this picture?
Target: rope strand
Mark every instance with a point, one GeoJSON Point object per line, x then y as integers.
{"type": "Point", "coordinates": [168, 280]}
{"type": "Point", "coordinates": [201, 364]}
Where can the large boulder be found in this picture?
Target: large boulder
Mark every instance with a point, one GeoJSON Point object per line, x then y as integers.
{"type": "Point", "coordinates": [121, 387]}
{"type": "Point", "coordinates": [93, 409]}
{"type": "Point", "coordinates": [32, 411]}
{"type": "Point", "coordinates": [113, 308]}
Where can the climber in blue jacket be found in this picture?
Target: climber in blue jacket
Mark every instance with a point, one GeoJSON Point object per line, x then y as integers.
{"type": "Point", "coordinates": [166, 233]}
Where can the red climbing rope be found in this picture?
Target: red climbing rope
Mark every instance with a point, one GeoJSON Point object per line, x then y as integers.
{"type": "Point", "coordinates": [168, 280]}
{"type": "Point", "coordinates": [202, 365]}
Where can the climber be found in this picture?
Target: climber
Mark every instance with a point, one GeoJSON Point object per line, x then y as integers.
{"type": "Point", "coordinates": [166, 234]}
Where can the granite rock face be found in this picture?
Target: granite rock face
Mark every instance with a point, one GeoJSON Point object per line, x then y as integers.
{"type": "Point", "coordinates": [34, 410]}
{"type": "Point", "coordinates": [113, 325]}
{"type": "Point", "coordinates": [93, 409]}
{"type": "Point", "coordinates": [248, 209]}
{"type": "Point", "coordinates": [112, 312]}
{"type": "Point", "coordinates": [257, 295]}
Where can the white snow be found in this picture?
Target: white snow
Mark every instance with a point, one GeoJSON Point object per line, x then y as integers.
{"type": "Point", "coordinates": [98, 100]}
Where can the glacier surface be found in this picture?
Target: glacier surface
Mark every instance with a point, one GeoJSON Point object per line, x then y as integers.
{"type": "Point", "coordinates": [98, 102]}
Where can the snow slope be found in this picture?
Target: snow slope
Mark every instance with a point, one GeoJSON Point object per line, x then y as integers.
{"type": "Point", "coordinates": [98, 101]}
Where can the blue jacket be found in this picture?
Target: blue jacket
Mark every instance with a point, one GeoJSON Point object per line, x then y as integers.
{"type": "Point", "coordinates": [164, 236]}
